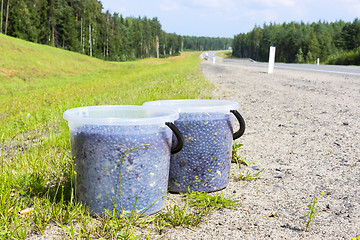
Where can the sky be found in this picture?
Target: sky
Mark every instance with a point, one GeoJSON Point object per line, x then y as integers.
{"type": "Point", "coordinates": [226, 18]}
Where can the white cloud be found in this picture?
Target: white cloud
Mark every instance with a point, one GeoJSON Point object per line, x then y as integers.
{"type": "Point", "coordinates": [352, 6]}
{"type": "Point", "coordinates": [205, 3]}
{"type": "Point", "coordinates": [169, 5]}
{"type": "Point", "coordinates": [267, 15]}
{"type": "Point", "coordinates": [213, 3]}
{"type": "Point", "coordinates": [272, 3]}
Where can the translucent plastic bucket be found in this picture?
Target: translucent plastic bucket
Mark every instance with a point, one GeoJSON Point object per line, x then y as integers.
{"type": "Point", "coordinates": [207, 127]}
{"type": "Point", "coordinates": [133, 142]}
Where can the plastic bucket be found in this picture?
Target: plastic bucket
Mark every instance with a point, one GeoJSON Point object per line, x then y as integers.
{"type": "Point", "coordinates": [121, 156]}
{"type": "Point", "coordinates": [207, 127]}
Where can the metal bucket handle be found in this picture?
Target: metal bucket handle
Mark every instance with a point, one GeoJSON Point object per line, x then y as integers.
{"type": "Point", "coordinates": [179, 136]}
{"type": "Point", "coordinates": [241, 121]}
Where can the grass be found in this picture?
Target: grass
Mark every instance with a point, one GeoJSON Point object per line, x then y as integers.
{"type": "Point", "coordinates": [312, 211]}
{"type": "Point", "coordinates": [247, 176]}
{"type": "Point", "coordinates": [176, 216]}
{"type": "Point", "coordinates": [197, 206]}
{"type": "Point", "coordinates": [206, 201]}
{"type": "Point", "coordinates": [239, 174]}
{"type": "Point", "coordinates": [225, 54]}
{"type": "Point", "coordinates": [236, 157]}
{"type": "Point", "coordinates": [37, 84]}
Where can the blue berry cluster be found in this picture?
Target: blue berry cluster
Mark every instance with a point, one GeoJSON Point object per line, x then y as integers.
{"type": "Point", "coordinates": [139, 154]}
{"type": "Point", "coordinates": [204, 162]}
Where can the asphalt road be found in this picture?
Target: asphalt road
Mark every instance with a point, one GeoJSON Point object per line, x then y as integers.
{"type": "Point", "coordinates": [331, 69]}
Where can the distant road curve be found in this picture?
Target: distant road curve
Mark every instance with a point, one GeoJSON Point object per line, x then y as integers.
{"type": "Point", "coordinates": [331, 69]}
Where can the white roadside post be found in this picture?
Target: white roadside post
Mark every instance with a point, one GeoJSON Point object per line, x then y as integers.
{"type": "Point", "coordinates": [318, 61]}
{"type": "Point", "coordinates": [271, 60]}
{"type": "Point", "coordinates": [213, 60]}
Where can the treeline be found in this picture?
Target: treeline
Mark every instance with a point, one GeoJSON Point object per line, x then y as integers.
{"type": "Point", "coordinates": [81, 26]}
{"type": "Point", "coordinates": [302, 43]}
{"type": "Point", "coordinates": [206, 43]}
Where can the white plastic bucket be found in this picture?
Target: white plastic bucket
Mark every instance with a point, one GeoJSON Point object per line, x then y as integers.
{"type": "Point", "coordinates": [133, 142]}
{"type": "Point", "coordinates": [204, 162]}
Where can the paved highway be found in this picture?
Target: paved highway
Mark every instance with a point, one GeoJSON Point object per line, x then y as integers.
{"type": "Point", "coordinates": [332, 69]}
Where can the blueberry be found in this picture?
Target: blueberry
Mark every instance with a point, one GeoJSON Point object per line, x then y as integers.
{"type": "Point", "coordinates": [143, 154]}
{"type": "Point", "coordinates": [204, 162]}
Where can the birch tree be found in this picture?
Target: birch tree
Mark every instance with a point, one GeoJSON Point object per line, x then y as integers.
{"type": "Point", "coordinates": [7, 17]}
{"type": "Point", "coordinates": [2, 7]}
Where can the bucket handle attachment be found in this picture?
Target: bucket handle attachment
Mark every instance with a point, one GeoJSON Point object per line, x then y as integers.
{"type": "Point", "coordinates": [179, 137]}
{"type": "Point", "coordinates": [241, 121]}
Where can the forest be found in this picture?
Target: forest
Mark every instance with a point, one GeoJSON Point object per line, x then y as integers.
{"type": "Point", "coordinates": [333, 43]}
{"type": "Point", "coordinates": [82, 26]}
{"type": "Point", "coordinates": [206, 43]}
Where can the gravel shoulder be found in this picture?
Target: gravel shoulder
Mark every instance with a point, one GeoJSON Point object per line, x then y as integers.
{"type": "Point", "coordinates": [303, 129]}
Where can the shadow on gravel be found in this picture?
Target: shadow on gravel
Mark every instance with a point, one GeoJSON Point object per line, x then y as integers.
{"type": "Point", "coordinates": [291, 228]}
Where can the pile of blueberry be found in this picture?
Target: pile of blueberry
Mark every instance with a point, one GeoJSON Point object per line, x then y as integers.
{"type": "Point", "coordinates": [204, 162]}
{"type": "Point", "coordinates": [139, 154]}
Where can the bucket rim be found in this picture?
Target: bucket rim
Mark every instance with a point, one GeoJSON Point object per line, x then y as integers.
{"type": "Point", "coordinates": [195, 105]}
{"type": "Point", "coordinates": [147, 115]}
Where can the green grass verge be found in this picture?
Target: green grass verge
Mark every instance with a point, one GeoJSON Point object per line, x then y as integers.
{"type": "Point", "coordinates": [345, 58]}
{"type": "Point", "coordinates": [37, 84]}
{"type": "Point", "coordinates": [225, 54]}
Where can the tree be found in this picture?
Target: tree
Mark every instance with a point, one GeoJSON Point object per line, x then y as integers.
{"type": "Point", "coordinates": [297, 42]}
{"type": "Point", "coordinates": [52, 20]}
{"type": "Point", "coordinates": [7, 16]}
{"type": "Point", "coordinates": [20, 23]}
{"type": "Point", "coordinates": [66, 32]}
{"type": "Point", "coordinates": [205, 43]}
{"type": "Point", "coordinates": [299, 56]}
{"type": "Point", "coordinates": [314, 48]}
{"type": "Point", "coordinates": [80, 25]}
{"type": "Point", "coordinates": [43, 25]}
{"type": "Point", "coordinates": [2, 6]}
{"type": "Point", "coordinates": [156, 33]}
{"type": "Point", "coordinates": [310, 57]}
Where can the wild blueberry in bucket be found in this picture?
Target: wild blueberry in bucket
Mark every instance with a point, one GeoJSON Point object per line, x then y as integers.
{"type": "Point", "coordinates": [139, 153]}
{"type": "Point", "coordinates": [122, 156]}
{"type": "Point", "coordinates": [204, 162]}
